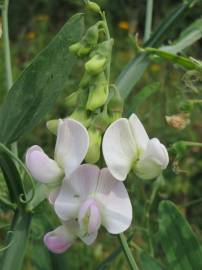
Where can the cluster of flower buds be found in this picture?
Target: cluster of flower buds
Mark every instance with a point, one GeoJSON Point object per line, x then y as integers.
{"type": "Point", "coordinates": [96, 103]}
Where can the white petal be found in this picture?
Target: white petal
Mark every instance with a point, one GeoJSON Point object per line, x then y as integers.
{"type": "Point", "coordinates": [153, 161]}
{"type": "Point", "coordinates": [139, 133]}
{"type": "Point", "coordinates": [72, 145]}
{"type": "Point", "coordinates": [41, 167]}
{"type": "Point", "coordinates": [75, 190]}
{"type": "Point", "coordinates": [116, 208]}
{"type": "Point", "coordinates": [59, 240]}
{"type": "Point", "coordinates": [119, 148]}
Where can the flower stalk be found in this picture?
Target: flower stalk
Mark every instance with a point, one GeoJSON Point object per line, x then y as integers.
{"type": "Point", "coordinates": [9, 77]}
{"type": "Point", "coordinates": [127, 252]}
{"type": "Point", "coordinates": [148, 20]}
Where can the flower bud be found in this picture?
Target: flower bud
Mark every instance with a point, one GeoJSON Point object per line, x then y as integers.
{"type": "Point", "coordinates": [101, 121]}
{"type": "Point", "coordinates": [116, 103]}
{"type": "Point", "coordinates": [97, 96]}
{"type": "Point", "coordinates": [85, 80]}
{"type": "Point", "coordinates": [83, 50]}
{"type": "Point", "coordinates": [71, 100]}
{"type": "Point", "coordinates": [93, 154]}
{"type": "Point", "coordinates": [95, 65]}
{"type": "Point", "coordinates": [52, 126]}
{"type": "Point", "coordinates": [92, 6]}
{"type": "Point", "coordinates": [91, 36]}
{"type": "Point", "coordinates": [104, 49]}
{"type": "Point", "coordinates": [81, 116]}
{"type": "Point", "coordinates": [74, 48]}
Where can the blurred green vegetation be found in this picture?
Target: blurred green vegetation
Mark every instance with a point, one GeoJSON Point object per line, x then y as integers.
{"type": "Point", "coordinates": [32, 25]}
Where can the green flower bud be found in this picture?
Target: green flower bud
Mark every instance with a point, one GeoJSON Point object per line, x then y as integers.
{"type": "Point", "coordinates": [101, 121]}
{"type": "Point", "coordinates": [71, 100]}
{"type": "Point", "coordinates": [74, 48]}
{"type": "Point", "coordinates": [84, 50]}
{"type": "Point", "coordinates": [93, 154]}
{"type": "Point", "coordinates": [98, 93]}
{"type": "Point", "coordinates": [97, 97]}
{"type": "Point", "coordinates": [81, 116]}
{"type": "Point", "coordinates": [104, 49]}
{"type": "Point", "coordinates": [116, 103]}
{"type": "Point", "coordinates": [91, 36]}
{"type": "Point", "coordinates": [85, 80]}
{"type": "Point", "coordinates": [92, 6]}
{"type": "Point", "coordinates": [52, 126]}
{"type": "Point", "coordinates": [95, 65]}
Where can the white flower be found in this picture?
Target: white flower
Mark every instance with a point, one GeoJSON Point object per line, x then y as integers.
{"type": "Point", "coordinates": [94, 198]}
{"type": "Point", "coordinates": [70, 150]}
{"type": "Point", "coordinates": [127, 146]}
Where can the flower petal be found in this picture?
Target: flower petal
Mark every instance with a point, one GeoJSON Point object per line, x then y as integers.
{"type": "Point", "coordinates": [116, 208]}
{"type": "Point", "coordinates": [89, 217]}
{"type": "Point", "coordinates": [89, 239]}
{"type": "Point", "coordinates": [153, 161]}
{"type": "Point", "coordinates": [59, 240]}
{"type": "Point", "coordinates": [119, 148]}
{"type": "Point", "coordinates": [71, 145]}
{"type": "Point", "coordinates": [75, 190]}
{"type": "Point", "coordinates": [41, 167]}
{"type": "Point", "coordinates": [139, 133]}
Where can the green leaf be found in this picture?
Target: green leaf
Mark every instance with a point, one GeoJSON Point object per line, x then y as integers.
{"type": "Point", "coordinates": [13, 257]}
{"type": "Point", "coordinates": [36, 91]}
{"type": "Point", "coordinates": [185, 62]}
{"type": "Point", "coordinates": [142, 96]}
{"type": "Point", "coordinates": [182, 250]}
{"type": "Point", "coordinates": [188, 37]}
{"type": "Point", "coordinates": [12, 178]}
{"type": "Point", "coordinates": [148, 263]}
{"type": "Point", "coordinates": [134, 70]}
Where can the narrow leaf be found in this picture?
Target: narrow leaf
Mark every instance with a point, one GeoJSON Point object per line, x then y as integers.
{"type": "Point", "coordinates": [13, 257]}
{"type": "Point", "coordinates": [134, 70]}
{"type": "Point", "coordinates": [148, 263]}
{"type": "Point", "coordinates": [142, 96]}
{"type": "Point", "coordinates": [37, 89]}
{"type": "Point", "coordinates": [182, 250]}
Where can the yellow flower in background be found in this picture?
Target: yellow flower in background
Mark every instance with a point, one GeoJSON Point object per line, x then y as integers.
{"type": "Point", "coordinates": [42, 17]}
{"type": "Point", "coordinates": [30, 35]}
{"type": "Point", "coordinates": [123, 25]}
{"type": "Point", "coordinates": [155, 68]}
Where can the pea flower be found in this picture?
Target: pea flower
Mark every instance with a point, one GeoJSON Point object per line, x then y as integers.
{"type": "Point", "coordinates": [91, 197]}
{"type": "Point", "coordinates": [70, 150]}
{"type": "Point", "coordinates": [126, 146]}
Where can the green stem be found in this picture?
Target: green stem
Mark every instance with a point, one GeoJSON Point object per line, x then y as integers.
{"type": "Point", "coordinates": [156, 187]}
{"type": "Point", "coordinates": [127, 252]}
{"type": "Point", "coordinates": [148, 20]}
{"type": "Point", "coordinates": [108, 38]}
{"type": "Point", "coordinates": [9, 77]}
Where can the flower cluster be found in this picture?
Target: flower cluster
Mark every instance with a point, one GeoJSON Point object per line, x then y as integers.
{"type": "Point", "coordinates": [85, 197]}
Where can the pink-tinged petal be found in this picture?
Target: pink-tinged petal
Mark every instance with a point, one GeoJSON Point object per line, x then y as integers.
{"type": "Point", "coordinates": [89, 239]}
{"type": "Point", "coordinates": [71, 145]}
{"type": "Point", "coordinates": [75, 190]}
{"type": "Point", "coordinates": [116, 208]}
{"type": "Point", "coordinates": [89, 217]}
{"type": "Point", "coordinates": [53, 195]}
{"type": "Point", "coordinates": [59, 240]}
{"type": "Point", "coordinates": [119, 148]}
{"type": "Point", "coordinates": [41, 167]}
{"type": "Point", "coordinates": [139, 133]}
{"type": "Point", "coordinates": [153, 161]}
